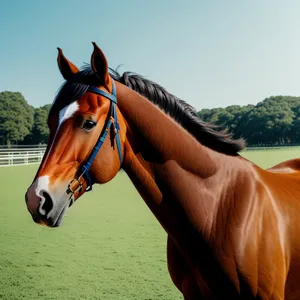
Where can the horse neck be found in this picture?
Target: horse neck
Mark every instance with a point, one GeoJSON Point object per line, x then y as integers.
{"type": "Point", "coordinates": [165, 162]}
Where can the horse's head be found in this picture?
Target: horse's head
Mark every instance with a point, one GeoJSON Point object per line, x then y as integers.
{"type": "Point", "coordinates": [87, 135]}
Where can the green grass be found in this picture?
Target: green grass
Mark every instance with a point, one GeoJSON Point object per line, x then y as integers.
{"type": "Point", "coordinates": [269, 158]}
{"type": "Point", "coordinates": [110, 246]}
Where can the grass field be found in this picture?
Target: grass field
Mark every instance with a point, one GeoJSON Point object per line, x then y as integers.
{"type": "Point", "coordinates": [269, 158]}
{"type": "Point", "coordinates": [110, 246]}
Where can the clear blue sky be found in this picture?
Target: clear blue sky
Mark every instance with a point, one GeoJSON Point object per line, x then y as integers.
{"type": "Point", "coordinates": [210, 53]}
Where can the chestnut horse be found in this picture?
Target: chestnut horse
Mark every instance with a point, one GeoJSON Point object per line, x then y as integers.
{"type": "Point", "coordinates": [233, 228]}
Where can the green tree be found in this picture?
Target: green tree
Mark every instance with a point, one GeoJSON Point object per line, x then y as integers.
{"type": "Point", "coordinates": [275, 120]}
{"type": "Point", "coordinates": [40, 132]}
{"type": "Point", "coordinates": [16, 117]}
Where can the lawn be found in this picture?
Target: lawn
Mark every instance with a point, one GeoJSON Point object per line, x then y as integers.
{"type": "Point", "coordinates": [110, 246]}
{"type": "Point", "coordinates": [269, 158]}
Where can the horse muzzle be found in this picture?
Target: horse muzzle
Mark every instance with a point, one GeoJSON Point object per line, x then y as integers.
{"type": "Point", "coordinates": [45, 206]}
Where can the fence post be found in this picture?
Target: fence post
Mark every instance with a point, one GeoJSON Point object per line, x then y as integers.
{"type": "Point", "coordinates": [26, 158]}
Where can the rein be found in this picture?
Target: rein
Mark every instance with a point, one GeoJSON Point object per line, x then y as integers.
{"type": "Point", "coordinates": [112, 121]}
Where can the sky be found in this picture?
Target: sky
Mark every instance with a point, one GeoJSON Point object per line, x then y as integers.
{"type": "Point", "coordinates": [212, 53]}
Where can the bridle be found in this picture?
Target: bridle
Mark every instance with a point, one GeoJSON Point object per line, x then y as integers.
{"type": "Point", "coordinates": [111, 121]}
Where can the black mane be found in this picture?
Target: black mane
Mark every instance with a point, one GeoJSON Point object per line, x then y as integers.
{"type": "Point", "coordinates": [207, 134]}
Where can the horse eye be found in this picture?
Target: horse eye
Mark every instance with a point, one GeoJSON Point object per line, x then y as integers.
{"type": "Point", "coordinates": [89, 125]}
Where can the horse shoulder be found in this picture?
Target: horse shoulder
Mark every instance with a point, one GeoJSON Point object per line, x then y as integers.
{"type": "Point", "coordinates": [260, 235]}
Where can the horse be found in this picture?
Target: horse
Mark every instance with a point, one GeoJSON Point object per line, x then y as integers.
{"type": "Point", "coordinates": [232, 227]}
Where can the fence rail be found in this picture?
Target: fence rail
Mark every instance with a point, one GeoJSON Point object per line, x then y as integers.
{"type": "Point", "coordinates": [272, 148]}
{"type": "Point", "coordinates": [5, 147]}
{"type": "Point", "coordinates": [32, 154]}
{"type": "Point", "coordinates": [21, 156]}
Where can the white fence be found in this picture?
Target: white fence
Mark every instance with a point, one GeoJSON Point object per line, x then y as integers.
{"type": "Point", "coordinates": [21, 156]}
{"type": "Point", "coordinates": [32, 154]}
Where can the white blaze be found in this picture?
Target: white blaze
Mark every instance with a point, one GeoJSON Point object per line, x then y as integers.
{"type": "Point", "coordinates": [67, 112]}
{"type": "Point", "coordinates": [64, 114]}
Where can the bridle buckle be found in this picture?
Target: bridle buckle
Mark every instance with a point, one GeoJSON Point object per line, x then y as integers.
{"type": "Point", "coordinates": [78, 188]}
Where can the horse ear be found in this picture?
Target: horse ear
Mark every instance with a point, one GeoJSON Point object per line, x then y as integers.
{"type": "Point", "coordinates": [67, 69]}
{"type": "Point", "coordinates": [99, 64]}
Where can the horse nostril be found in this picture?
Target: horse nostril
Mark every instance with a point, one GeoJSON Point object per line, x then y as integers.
{"type": "Point", "coordinates": [46, 204]}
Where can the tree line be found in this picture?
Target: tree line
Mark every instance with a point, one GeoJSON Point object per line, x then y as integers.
{"type": "Point", "coordinates": [21, 123]}
{"type": "Point", "coordinates": [273, 121]}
